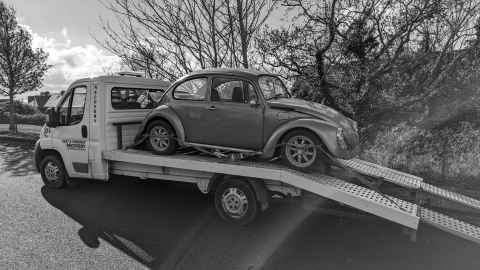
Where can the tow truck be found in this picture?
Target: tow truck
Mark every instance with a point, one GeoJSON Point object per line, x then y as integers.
{"type": "Point", "coordinates": [89, 132]}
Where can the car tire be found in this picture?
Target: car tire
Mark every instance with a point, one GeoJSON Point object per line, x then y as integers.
{"type": "Point", "coordinates": [302, 150]}
{"type": "Point", "coordinates": [161, 138]}
{"type": "Point", "coordinates": [235, 202]}
{"type": "Point", "coordinates": [53, 172]}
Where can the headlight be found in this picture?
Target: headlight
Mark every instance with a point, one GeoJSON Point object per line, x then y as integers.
{"type": "Point", "coordinates": [341, 139]}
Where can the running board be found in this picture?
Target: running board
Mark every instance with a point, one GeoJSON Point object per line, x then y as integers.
{"type": "Point", "coordinates": [451, 225]}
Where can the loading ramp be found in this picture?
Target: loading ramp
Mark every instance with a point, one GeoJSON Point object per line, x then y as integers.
{"type": "Point", "coordinates": [387, 207]}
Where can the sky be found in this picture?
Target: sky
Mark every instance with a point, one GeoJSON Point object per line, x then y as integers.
{"type": "Point", "coordinates": [65, 29]}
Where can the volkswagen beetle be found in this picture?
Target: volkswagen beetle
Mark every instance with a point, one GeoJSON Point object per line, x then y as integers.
{"type": "Point", "coordinates": [247, 111]}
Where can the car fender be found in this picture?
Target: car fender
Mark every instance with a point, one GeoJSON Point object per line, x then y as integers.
{"type": "Point", "coordinates": [166, 113]}
{"type": "Point", "coordinates": [326, 131]}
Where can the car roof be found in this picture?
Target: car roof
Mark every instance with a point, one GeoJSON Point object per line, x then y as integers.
{"type": "Point", "coordinates": [229, 71]}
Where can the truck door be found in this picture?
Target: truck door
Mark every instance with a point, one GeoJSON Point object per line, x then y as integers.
{"type": "Point", "coordinates": [72, 132]}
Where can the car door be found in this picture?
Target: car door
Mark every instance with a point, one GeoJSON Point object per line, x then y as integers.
{"type": "Point", "coordinates": [190, 103]}
{"type": "Point", "coordinates": [72, 131]}
{"type": "Point", "coordinates": [233, 116]}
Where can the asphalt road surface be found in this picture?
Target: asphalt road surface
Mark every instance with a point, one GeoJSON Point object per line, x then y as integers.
{"type": "Point", "coordinates": [132, 224]}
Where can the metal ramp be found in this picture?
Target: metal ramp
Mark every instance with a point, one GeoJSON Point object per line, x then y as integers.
{"type": "Point", "coordinates": [408, 181]}
{"type": "Point", "coordinates": [452, 196]}
{"type": "Point", "coordinates": [451, 225]}
{"type": "Point", "coordinates": [387, 174]}
{"type": "Point", "coordinates": [436, 219]}
{"type": "Point", "coordinates": [402, 212]}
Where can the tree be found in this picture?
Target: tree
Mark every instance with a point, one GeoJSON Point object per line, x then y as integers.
{"type": "Point", "coordinates": [21, 67]}
{"type": "Point", "coordinates": [353, 47]}
{"type": "Point", "coordinates": [168, 38]}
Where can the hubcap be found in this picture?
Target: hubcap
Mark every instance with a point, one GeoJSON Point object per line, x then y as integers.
{"type": "Point", "coordinates": [159, 138]}
{"type": "Point", "coordinates": [52, 172]}
{"type": "Point", "coordinates": [300, 151]}
{"type": "Point", "coordinates": [234, 202]}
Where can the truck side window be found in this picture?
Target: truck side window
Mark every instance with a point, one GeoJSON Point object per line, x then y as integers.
{"type": "Point", "coordinates": [78, 105]}
{"type": "Point", "coordinates": [123, 98]}
{"type": "Point", "coordinates": [63, 110]}
{"type": "Point", "coordinates": [73, 106]}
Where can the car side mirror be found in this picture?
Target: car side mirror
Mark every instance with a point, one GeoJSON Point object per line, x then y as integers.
{"type": "Point", "coordinates": [52, 118]}
{"type": "Point", "coordinates": [253, 103]}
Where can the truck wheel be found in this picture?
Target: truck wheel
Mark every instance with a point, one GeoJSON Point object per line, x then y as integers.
{"type": "Point", "coordinates": [53, 172]}
{"type": "Point", "coordinates": [161, 138]}
{"type": "Point", "coordinates": [236, 202]}
{"type": "Point", "coordinates": [301, 151]}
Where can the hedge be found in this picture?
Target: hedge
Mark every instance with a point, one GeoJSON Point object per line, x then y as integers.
{"type": "Point", "coordinates": [30, 119]}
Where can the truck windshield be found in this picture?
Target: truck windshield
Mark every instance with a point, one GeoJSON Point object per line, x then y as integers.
{"type": "Point", "coordinates": [272, 87]}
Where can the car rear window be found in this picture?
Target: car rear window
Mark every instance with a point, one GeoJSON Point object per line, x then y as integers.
{"type": "Point", "coordinates": [194, 89]}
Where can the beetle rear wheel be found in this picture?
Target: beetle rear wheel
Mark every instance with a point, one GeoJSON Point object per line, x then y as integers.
{"type": "Point", "coordinates": [161, 138]}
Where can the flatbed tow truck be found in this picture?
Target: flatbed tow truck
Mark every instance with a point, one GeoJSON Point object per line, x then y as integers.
{"type": "Point", "coordinates": [95, 124]}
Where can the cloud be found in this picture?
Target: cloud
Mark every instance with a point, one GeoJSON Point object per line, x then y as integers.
{"type": "Point", "coordinates": [71, 62]}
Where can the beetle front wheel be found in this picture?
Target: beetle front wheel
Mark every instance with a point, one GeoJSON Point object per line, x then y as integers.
{"type": "Point", "coordinates": [303, 151]}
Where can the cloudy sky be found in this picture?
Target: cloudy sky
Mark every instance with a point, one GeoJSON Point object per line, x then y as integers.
{"type": "Point", "coordinates": [64, 29]}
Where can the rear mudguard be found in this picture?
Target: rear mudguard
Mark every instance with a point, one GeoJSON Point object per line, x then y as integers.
{"type": "Point", "coordinates": [162, 112]}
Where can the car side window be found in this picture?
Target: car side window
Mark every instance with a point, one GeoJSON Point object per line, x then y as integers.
{"type": "Point", "coordinates": [232, 90]}
{"type": "Point", "coordinates": [195, 89]}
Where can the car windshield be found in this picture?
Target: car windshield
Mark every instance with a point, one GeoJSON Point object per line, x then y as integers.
{"type": "Point", "coordinates": [272, 87]}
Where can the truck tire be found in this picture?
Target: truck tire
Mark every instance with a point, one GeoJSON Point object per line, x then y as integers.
{"type": "Point", "coordinates": [235, 201]}
{"type": "Point", "coordinates": [53, 172]}
{"type": "Point", "coordinates": [161, 138]}
{"type": "Point", "coordinates": [303, 151]}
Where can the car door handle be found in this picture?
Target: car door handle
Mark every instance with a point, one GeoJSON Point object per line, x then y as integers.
{"type": "Point", "coordinates": [84, 131]}
{"type": "Point", "coordinates": [212, 108]}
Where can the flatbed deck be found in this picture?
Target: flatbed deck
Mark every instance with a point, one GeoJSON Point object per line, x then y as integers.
{"type": "Point", "coordinates": [367, 200]}
{"type": "Point", "coordinates": [396, 210]}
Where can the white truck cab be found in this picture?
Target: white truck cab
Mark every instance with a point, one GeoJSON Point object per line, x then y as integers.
{"type": "Point", "coordinates": [83, 125]}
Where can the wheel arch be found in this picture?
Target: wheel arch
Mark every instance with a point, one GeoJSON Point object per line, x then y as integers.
{"type": "Point", "coordinates": [42, 153]}
{"type": "Point", "coordinates": [168, 115]}
{"type": "Point", "coordinates": [325, 132]}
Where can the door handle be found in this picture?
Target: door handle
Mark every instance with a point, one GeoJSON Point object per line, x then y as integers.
{"type": "Point", "coordinates": [212, 108]}
{"type": "Point", "coordinates": [84, 131]}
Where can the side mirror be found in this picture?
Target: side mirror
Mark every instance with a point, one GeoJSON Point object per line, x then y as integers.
{"type": "Point", "coordinates": [253, 103]}
{"type": "Point", "coordinates": [52, 118]}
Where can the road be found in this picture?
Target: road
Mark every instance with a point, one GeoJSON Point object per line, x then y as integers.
{"type": "Point", "coordinates": [133, 224]}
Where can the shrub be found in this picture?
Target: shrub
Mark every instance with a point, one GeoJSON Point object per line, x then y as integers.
{"type": "Point", "coordinates": [20, 108]}
{"type": "Point", "coordinates": [30, 119]}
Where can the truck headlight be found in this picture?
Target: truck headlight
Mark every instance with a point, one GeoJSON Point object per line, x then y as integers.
{"type": "Point", "coordinates": [341, 139]}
